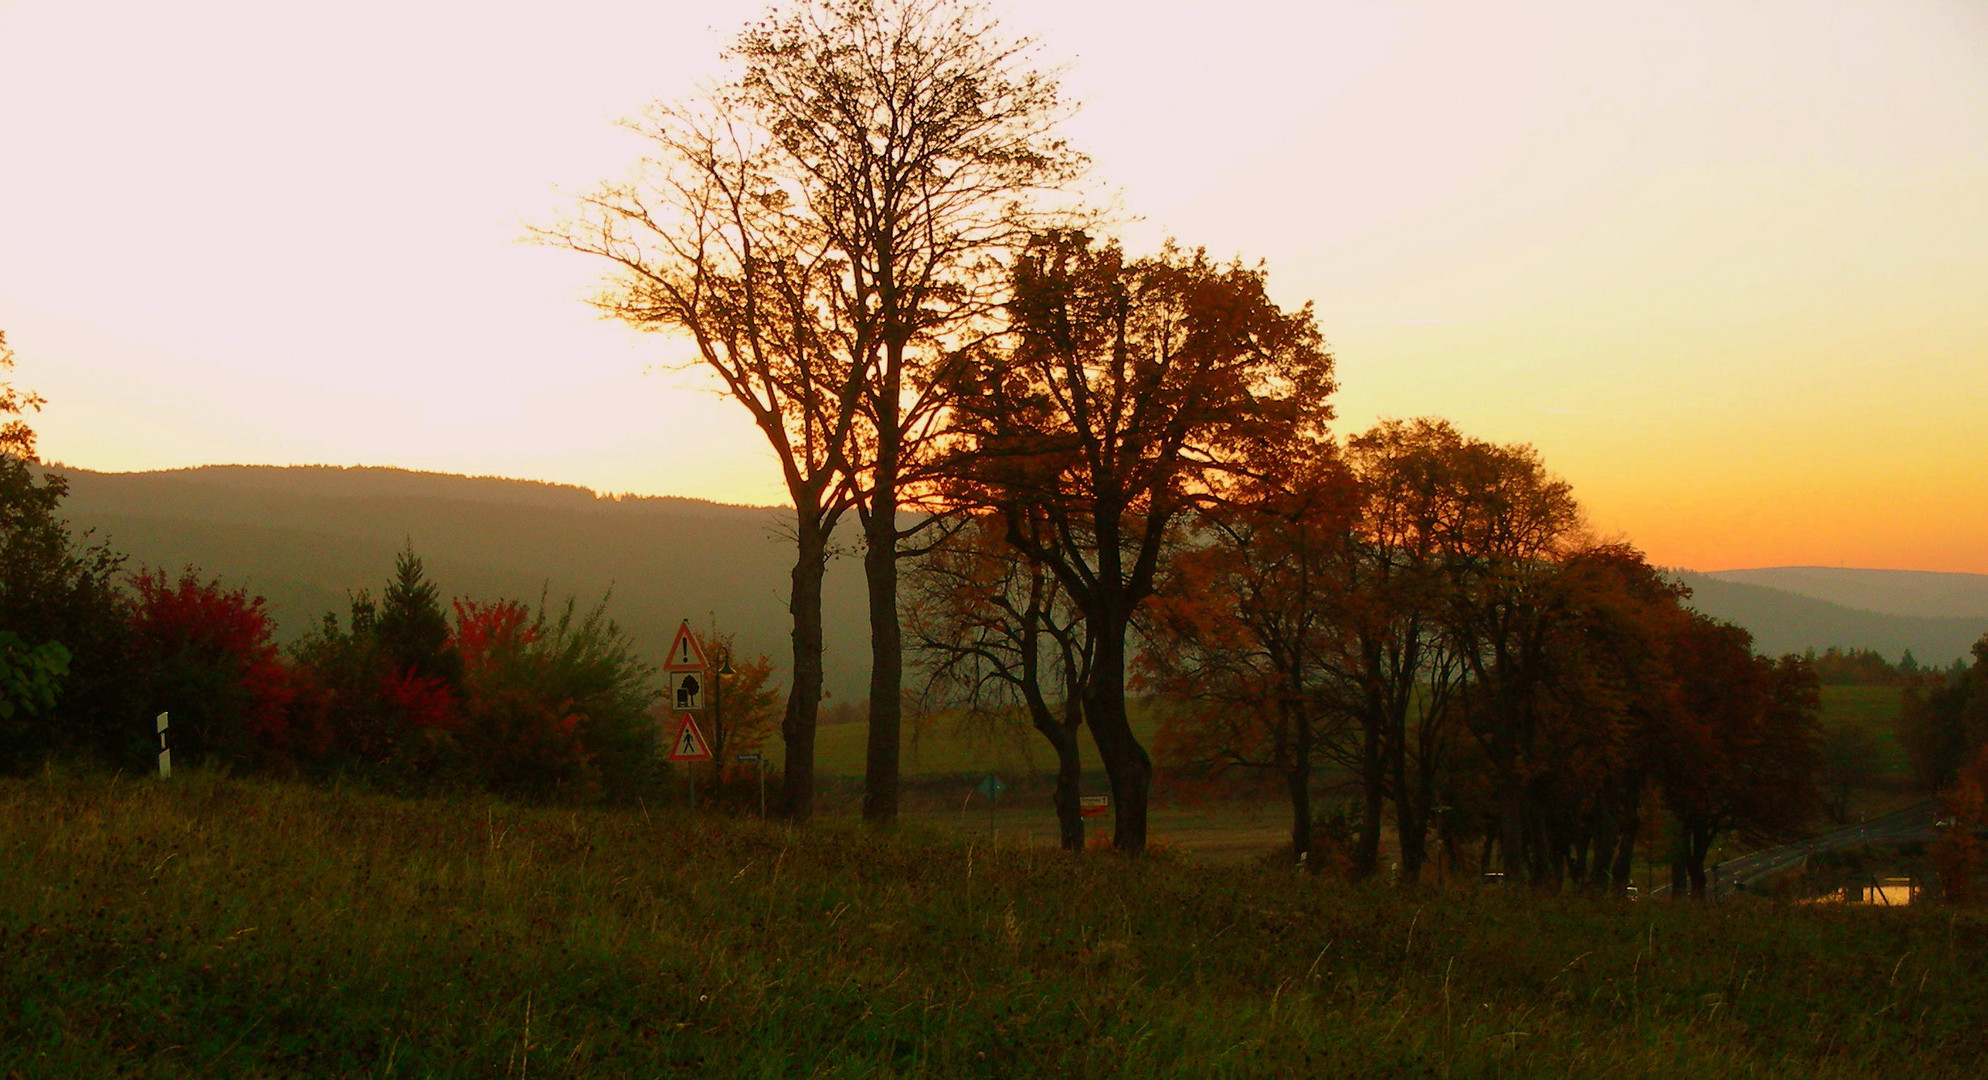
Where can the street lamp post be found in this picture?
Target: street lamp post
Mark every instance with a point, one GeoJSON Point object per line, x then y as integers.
{"type": "Point", "coordinates": [718, 718]}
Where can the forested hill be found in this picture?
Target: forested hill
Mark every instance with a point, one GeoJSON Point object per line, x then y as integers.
{"type": "Point", "coordinates": [305, 537]}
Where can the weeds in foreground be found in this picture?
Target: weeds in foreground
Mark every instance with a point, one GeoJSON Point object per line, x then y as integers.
{"type": "Point", "coordinates": [222, 927]}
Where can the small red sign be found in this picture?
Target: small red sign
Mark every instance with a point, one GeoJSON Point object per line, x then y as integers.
{"type": "Point", "coordinates": [1093, 805]}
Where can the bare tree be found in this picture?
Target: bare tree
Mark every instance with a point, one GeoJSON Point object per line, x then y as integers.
{"type": "Point", "coordinates": [707, 243]}
{"type": "Point", "coordinates": [1240, 636]}
{"type": "Point", "coordinates": [915, 137]}
{"type": "Point", "coordinates": [998, 637]}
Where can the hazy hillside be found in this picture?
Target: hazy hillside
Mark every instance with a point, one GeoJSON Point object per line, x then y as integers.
{"type": "Point", "coordinates": [1784, 622]}
{"type": "Point", "coordinates": [305, 537]}
{"type": "Point", "coordinates": [1915, 593]}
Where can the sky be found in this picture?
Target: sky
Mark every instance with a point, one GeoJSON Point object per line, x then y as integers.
{"type": "Point", "coordinates": [1725, 264]}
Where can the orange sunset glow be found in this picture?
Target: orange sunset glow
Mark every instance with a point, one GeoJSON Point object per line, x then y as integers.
{"type": "Point", "coordinates": [1724, 265]}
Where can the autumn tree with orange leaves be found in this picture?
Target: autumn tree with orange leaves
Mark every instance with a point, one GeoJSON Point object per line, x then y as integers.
{"type": "Point", "coordinates": [1743, 751]}
{"type": "Point", "coordinates": [1128, 393]}
{"type": "Point", "coordinates": [1241, 637]}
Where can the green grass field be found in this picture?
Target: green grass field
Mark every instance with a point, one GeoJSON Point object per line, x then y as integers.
{"type": "Point", "coordinates": [212, 927]}
{"type": "Point", "coordinates": [1876, 710]}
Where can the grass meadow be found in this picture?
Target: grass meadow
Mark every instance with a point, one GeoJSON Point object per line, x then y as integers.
{"type": "Point", "coordinates": [219, 927]}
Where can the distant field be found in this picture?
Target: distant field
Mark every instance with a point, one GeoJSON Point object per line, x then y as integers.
{"type": "Point", "coordinates": [1875, 709]}
{"type": "Point", "coordinates": [213, 927]}
{"type": "Point", "coordinates": [942, 766]}
{"type": "Point", "coordinates": [940, 748]}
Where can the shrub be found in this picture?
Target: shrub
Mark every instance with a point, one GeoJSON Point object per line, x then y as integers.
{"type": "Point", "coordinates": [554, 707]}
{"type": "Point", "coordinates": [207, 655]}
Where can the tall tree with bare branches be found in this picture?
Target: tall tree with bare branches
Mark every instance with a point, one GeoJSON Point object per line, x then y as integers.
{"type": "Point", "coordinates": [829, 224]}
{"type": "Point", "coordinates": [707, 244]}
{"type": "Point", "coordinates": [917, 137]}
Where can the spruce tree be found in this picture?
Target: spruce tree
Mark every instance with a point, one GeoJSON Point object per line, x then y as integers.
{"type": "Point", "coordinates": [410, 626]}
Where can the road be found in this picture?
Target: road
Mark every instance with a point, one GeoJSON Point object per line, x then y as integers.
{"type": "Point", "coordinates": [1906, 826]}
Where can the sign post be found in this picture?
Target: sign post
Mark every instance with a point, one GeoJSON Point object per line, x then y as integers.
{"type": "Point", "coordinates": [165, 751]}
{"type": "Point", "coordinates": [689, 746]}
{"type": "Point", "coordinates": [685, 669]}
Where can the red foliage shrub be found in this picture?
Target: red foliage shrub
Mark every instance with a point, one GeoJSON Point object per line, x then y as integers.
{"type": "Point", "coordinates": [210, 660]}
{"type": "Point", "coordinates": [487, 630]}
{"type": "Point", "coordinates": [421, 701]}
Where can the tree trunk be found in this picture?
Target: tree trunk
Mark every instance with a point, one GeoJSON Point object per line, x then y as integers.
{"type": "Point", "coordinates": [1373, 793]}
{"type": "Point", "coordinates": [1367, 846]}
{"type": "Point", "coordinates": [1126, 763]}
{"type": "Point", "coordinates": [1699, 845]}
{"type": "Point", "coordinates": [1069, 783]}
{"type": "Point", "coordinates": [797, 728]}
{"type": "Point", "coordinates": [1624, 865]}
{"type": "Point", "coordinates": [1511, 830]}
{"type": "Point", "coordinates": [1410, 819]}
{"type": "Point", "coordinates": [880, 773]}
{"type": "Point", "coordinates": [1300, 781]}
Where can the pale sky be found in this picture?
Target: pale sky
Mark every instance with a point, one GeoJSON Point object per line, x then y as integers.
{"type": "Point", "coordinates": [1725, 264]}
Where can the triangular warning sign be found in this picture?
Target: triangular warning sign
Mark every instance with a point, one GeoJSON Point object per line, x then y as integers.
{"type": "Point", "coordinates": [685, 653]}
{"type": "Point", "coordinates": [690, 744]}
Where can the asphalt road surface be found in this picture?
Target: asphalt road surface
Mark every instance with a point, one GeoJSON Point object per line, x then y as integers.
{"type": "Point", "coordinates": [1906, 826]}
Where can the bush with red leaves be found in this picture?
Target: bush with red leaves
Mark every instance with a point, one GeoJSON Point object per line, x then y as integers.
{"type": "Point", "coordinates": [206, 655]}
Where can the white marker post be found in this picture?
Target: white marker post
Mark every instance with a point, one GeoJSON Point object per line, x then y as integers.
{"type": "Point", "coordinates": [165, 752]}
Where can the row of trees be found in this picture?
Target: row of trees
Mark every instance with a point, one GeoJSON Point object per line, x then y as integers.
{"type": "Point", "coordinates": [1422, 611]}
{"type": "Point", "coordinates": [1944, 724]}
{"type": "Point", "coordinates": [1944, 729]}
{"type": "Point", "coordinates": [1836, 666]}
{"type": "Point", "coordinates": [836, 229]}
{"type": "Point", "coordinates": [545, 704]}
{"type": "Point", "coordinates": [866, 233]}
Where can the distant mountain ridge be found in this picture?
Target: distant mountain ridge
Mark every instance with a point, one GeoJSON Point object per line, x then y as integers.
{"type": "Point", "coordinates": [1782, 621]}
{"type": "Point", "coordinates": [368, 481]}
{"type": "Point", "coordinates": [306, 537]}
{"type": "Point", "coordinates": [1910, 593]}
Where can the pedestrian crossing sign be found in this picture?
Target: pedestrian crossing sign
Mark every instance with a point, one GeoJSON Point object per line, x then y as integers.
{"type": "Point", "coordinates": [690, 744]}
